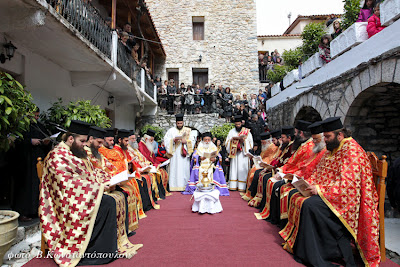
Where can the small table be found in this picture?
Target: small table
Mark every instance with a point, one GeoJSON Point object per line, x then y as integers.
{"type": "Point", "coordinates": [207, 202]}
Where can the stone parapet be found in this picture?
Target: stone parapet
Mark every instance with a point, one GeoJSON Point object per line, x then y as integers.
{"type": "Point", "coordinates": [291, 78]}
{"type": "Point", "coordinates": [390, 11]}
{"type": "Point", "coordinates": [352, 36]}
{"type": "Point", "coordinates": [312, 64]}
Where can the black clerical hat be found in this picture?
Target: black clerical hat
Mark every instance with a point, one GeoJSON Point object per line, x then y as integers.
{"type": "Point", "coordinates": [265, 136]}
{"type": "Point", "coordinates": [276, 133]}
{"type": "Point", "coordinates": [122, 133]}
{"type": "Point", "coordinates": [79, 127]}
{"type": "Point", "coordinates": [302, 125]}
{"type": "Point", "coordinates": [97, 132]}
{"type": "Point", "coordinates": [206, 134]}
{"type": "Point", "coordinates": [287, 130]}
{"type": "Point", "coordinates": [316, 127]}
{"type": "Point", "coordinates": [332, 124]}
{"type": "Point", "coordinates": [179, 117]}
{"type": "Point", "coordinates": [238, 118]}
{"type": "Point", "coordinates": [151, 132]}
{"type": "Point", "coordinates": [109, 132]}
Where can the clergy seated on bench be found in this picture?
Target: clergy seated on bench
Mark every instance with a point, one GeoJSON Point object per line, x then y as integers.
{"type": "Point", "coordinates": [261, 177]}
{"type": "Point", "coordinates": [145, 148]}
{"type": "Point", "coordinates": [268, 151]}
{"type": "Point", "coordinates": [342, 208]}
{"type": "Point", "coordinates": [76, 217]}
{"type": "Point", "coordinates": [303, 154]}
{"type": "Point", "coordinates": [205, 159]}
{"type": "Point", "coordinates": [106, 171]}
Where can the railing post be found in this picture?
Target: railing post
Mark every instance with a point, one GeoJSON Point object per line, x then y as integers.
{"type": "Point", "coordinates": [142, 80]}
{"type": "Point", "coordinates": [114, 48]}
{"type": "Point", "coordinates": [155, 93]}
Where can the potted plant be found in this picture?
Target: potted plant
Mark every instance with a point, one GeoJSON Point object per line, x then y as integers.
{"type": "Point", "coordinates": [8, 230]}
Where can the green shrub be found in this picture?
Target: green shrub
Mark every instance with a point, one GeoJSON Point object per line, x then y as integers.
{"type": "Point", "coordinates": [221, 132]}
{"type": "Point", "coordinates": [159, 132]}
{"type": "Point", "coordinates": [16, 110]}
{"type": "Point", "coordinates": [81, 110]}
{"type": "Point", "coordinates": [292, 57]}
{"type": "Point", "coordinates": [311, 37]}
{"type": "Point", "coordinates": [351, 11]}
{"type": "Point", "coordinates": [277, 74]}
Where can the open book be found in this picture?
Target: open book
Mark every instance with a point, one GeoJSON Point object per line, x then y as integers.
{"type": "Point", "coordinates": [52, 137]}
{"type": "Point", "coordinates": [150, 169]}
{"type": "Point", "coordinates": [164, 163]}
{"type": "Point", "coordinates": [178, 137]}
{"type": "Point", "coordinates": [209, 155]}
{"type": "Point", "coordinates": [259, 163]}
{"type": "Point", "coordinates": [301, 185]}
{"type": "Point", "coordinates": [120, 177]}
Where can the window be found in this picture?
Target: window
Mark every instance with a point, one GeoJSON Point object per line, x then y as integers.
{"type": "Point", "coordinates": [198, 28]}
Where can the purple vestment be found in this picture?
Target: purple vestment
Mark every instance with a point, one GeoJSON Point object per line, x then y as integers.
{"type": "Point", "coordinates": [218, 177]}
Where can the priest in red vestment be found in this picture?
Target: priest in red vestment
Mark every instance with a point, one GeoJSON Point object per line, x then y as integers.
{"type": "Point", "coordinates": [146, 147]}
{"type": "Point", "coordinates": [342, 208]}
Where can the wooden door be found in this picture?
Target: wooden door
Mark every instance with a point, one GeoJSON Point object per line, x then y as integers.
{"type": "Point", "coordinates": [175, 76]}
{"type": "Point", "coordinates": [200, 78]}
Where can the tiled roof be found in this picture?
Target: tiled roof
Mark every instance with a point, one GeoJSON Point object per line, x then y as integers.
{"type": "Point", "coordinates": [301, 17]}
{"type": "Point", "coordinates": [280, 35]}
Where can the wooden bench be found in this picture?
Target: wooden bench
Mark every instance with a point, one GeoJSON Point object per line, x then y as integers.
{"type": "Point", "coordinates": [379, 171]}
{"type": "Point", "coordinates": [39, 168]}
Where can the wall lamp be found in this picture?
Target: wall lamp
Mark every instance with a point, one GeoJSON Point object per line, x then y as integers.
{"type": "Point", "coordinates": [10, 50]}
{"type": "Point", "coordinates": [200, 57]}
{"type": "Point", "coordinates": [111, 100]}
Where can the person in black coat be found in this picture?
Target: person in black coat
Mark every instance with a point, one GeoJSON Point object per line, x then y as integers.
{"type": "Point", "coordinates": [393, 184]}
{"type": "Point", "coordinates": [34, 145]}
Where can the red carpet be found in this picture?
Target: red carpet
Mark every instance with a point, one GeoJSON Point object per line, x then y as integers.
{"type": "Point", "coordinates": [174, 236]}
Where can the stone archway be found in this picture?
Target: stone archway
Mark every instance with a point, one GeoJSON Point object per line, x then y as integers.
{"type": "Point", "coordinates": [308, 113]}
{"type": "Point", "coordinates": [374, 119]}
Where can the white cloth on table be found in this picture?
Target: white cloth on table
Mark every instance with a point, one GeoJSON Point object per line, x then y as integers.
{"type": "Point", "coordinates": [207, 202]}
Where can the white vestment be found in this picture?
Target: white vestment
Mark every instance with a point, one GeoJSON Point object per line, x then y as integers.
{"type": "Point", "coordinates": [240, 164]}
{"type": "Point", "coordinates": [179, 167]}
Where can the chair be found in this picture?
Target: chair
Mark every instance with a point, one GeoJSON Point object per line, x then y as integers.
{"type": "Point", "coordinates": [379, 171]}
{"type": "Point", "coordinates": [39, 168]}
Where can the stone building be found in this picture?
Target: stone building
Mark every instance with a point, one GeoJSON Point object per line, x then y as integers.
{"type": "Point", "coordinates": [208, 42]}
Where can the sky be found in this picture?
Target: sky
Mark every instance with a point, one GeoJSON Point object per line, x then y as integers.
{"type": "Point", "coordinates": [272, 15]}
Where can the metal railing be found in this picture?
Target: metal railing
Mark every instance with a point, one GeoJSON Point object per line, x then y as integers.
{"type": "Point", "coordinates": [126, 62]}
{"type": "Point", "coordinates": [149, 87]}
{"type": "Point", "coordinates": [86, 20]}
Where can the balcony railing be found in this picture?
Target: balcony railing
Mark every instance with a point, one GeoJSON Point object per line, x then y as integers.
{"type": "Point", "coordinates": [86, 20]}
{"type": "Point", "coordinates": [149, 87]}
{"type": "Point", "coordinates": [126, 62]}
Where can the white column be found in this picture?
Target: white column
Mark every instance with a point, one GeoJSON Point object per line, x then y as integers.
{"type": "Point", "coordinates": [114, 48]}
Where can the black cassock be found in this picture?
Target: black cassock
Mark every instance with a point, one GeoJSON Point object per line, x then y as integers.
{"type": "Point", "coordinates": [104, 236]}
{"type": "Point", "coordinates": [322, 239]}
{"type": "Point", "coordinates": [26, 181]}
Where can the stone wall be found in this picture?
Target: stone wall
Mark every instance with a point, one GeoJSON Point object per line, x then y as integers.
{"type": "Point", "coordinates": [201, 122]}
{"type": "Point", "coordinates": [229, 48]}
